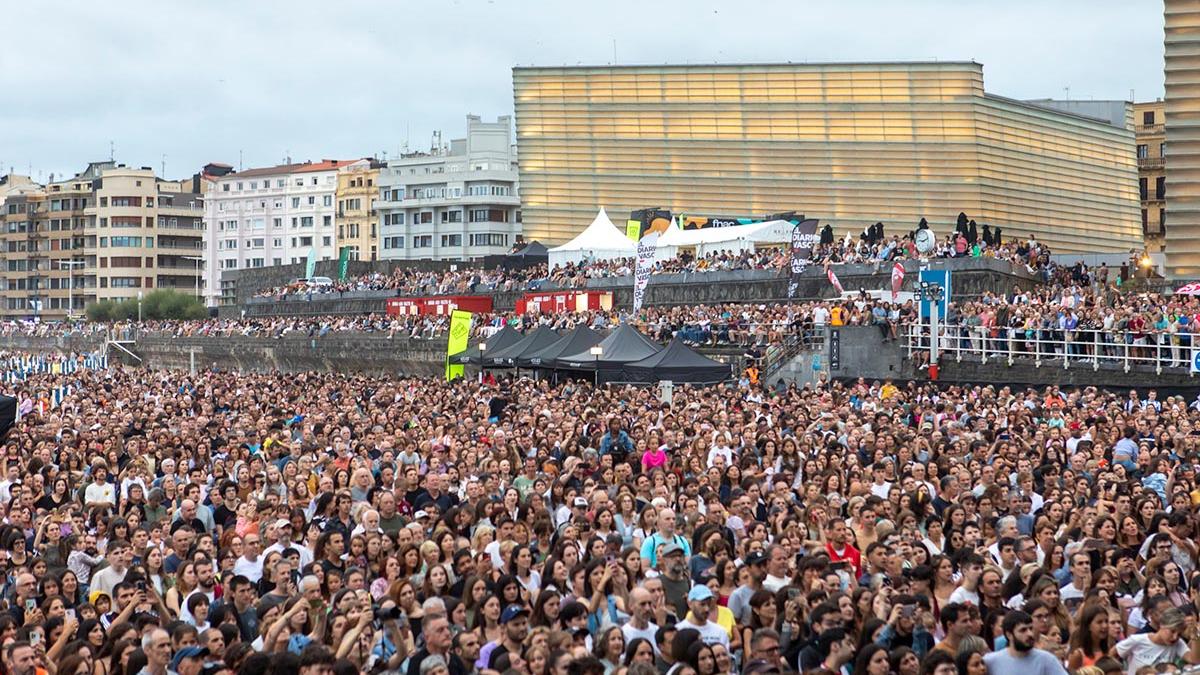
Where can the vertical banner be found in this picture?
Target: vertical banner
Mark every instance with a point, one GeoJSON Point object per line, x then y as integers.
{"type": "Point", "coordinates": [897, 279]}
{"type": "Point", "coordinates": [835, 349]}
{"type": "Point", "coordinates": [460, 332]}
{"type": "Point", "coordinates": [311, 268]}
{"type": "Point", "coordinates": [804, 236]}
{"type": "Point", "coordinates": [645, 263]}
{"type": "Point", "coordinates": [343, 262]}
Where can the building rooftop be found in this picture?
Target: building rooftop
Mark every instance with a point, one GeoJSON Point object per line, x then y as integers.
{"type": "Point", "coordinates": [302, 167]}
{"type": "Point", "coordinates": [753, 64]}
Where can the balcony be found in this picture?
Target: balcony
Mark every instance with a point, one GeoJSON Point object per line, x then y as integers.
{"type": "Point", "coordinates": [1150, 162]}
{"type": "Point", "coordinates": [1148, 129]}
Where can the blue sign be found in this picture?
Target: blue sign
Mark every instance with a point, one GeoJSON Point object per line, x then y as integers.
{"type": "Point", "coordinates": [1196, 360]}
{"type": "Point", "coordinates": [941, 278]}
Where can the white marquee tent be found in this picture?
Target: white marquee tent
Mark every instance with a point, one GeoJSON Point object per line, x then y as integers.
{"type": "Point", "coordinates": [715, 239]}
{"type": "Point", "coordinates": [600, 241]}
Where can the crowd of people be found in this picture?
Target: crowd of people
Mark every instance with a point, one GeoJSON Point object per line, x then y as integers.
{"type": "Point", "coordinates": [259, 523]}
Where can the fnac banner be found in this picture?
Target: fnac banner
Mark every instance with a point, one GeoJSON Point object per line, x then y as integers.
{"type": "Point", "coordinates": [460, 333]}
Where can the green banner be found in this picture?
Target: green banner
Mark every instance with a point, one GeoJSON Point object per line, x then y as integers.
{"type": "Point", "coordinates": [343, 262]}
{"type": "Point", "coordinates": [311, 268]}
{"type": "Point", "coordinates": [460, 333]}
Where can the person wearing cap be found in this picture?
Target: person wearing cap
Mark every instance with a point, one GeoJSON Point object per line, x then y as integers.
{"type": "Point", "coordinates": [515, 621]}
{"type": "Point", "coordinates": [189, 660]}
{"type": "Point", "coordinates": [699, 601]}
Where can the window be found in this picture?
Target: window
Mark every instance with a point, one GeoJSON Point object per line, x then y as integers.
{"type": "Point", "coordinates": [125, 261]}
{"type": "Point", "coordinates": [225, 187]}
{"type": "Point", "coordinates": [256, 262]}
{"type": "Point", "coordinates": [231, 244]}
{"type": "Point", "coordinates": [393, 242]}
{"type": "Point", "coordinates": [276, 261]}
{"type": "Point", "coordinates": [1148, 117]}
{"type": "Point", "coordinates": [1160, 187]}
{"type": "Point", "coordinates": [126, 201]}
{"type": "Point", "coordinates": [295, 202]}
{"type": "Point", "coordinates": [312, 200]}
{"type": "Point", "coordinates": [489, 239]}
{"type": "Point", "coordinates": [239, 187]}
{"type": "Point", "coordinates": [1145, 221]}
{"type": "Point", "coordinates": [306, 221]}
{"type": "Point", "coordinates": [326, 221]}
{"type": "Point", "coordinates": [454, 216]}
{"type": "Point", "coordinates": [423, 241]}
{"type": "Point", "coordinates": [327, 200]}
{"type": "Point", "coordinates": [1142, 189]}
{"type": "Point", "coordinates": [423, 218]}
{"type": "Point", "coordinates": [277, 242]}
{"type": "Point", "coordinates": [451, 240]}
{"type": "Point", "coordinates": [229, 264]}
{"type": "Point", "coordinates": [306, 241]}
{"type": "Point", "coordinates": [1142, 153]}
{"type": "Point", "coordinates": [257, 243]}
{"type": "Point", "coordinates": [125, 282]}
{"type": "Point", "coordinates": [488, 216]}
{"type": "Point", "coordinates": [1162, 220]}
{"type": "Point", "coordinates": [125, 242]}
{"type": "Point", "coordinates": [277, 222]}
{"type": "Point", "coordinates": [327, 240]}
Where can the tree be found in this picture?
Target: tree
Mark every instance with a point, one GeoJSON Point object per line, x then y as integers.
{"type": "Point", "coordinates": [157, 305]}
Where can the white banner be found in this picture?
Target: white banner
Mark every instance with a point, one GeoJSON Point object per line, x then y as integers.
{"type": "Point", "coordinates": [645, 263]}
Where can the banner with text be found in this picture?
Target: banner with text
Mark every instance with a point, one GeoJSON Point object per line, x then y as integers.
{"type": "Point", "coordinates": [804, 237]}
{"type": "Point", "coordinates": [645, 264]}
{"type": "Point", "coordinates": [343, 262]}
{"type": "Point", "coordinates": [460, 333]}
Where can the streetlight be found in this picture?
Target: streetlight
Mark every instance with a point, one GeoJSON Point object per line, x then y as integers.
{"type": "Point", "coordinates": [198, 260]}
{"type": "Point", "coordinates": [139, 307]}
{"type": "Point", "coordinates": [596, 352]}
{"type": "Point", "coordinates": [70, 284]}
{"type": "Point", "coordinates": [482, 352]}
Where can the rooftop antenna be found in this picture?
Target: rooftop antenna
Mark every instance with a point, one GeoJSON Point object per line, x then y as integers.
{"type": "Point", "coordinates": [112, 151]}
{"type": "Point", "coordinates": [614, 51]}
{"type": "Point", "coordinates": [164, 166]}
{"type": "Point", "coordinates": [1067, 89]}
{"type": "Point", "coordinates": [239, 159]}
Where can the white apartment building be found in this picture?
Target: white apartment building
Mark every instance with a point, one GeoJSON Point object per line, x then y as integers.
{"type": "Point", "coordinates": [269, 216]}
{"type": "Point", "coordinates": [455, 204]}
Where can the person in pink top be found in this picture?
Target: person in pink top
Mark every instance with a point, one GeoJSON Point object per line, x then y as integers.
{"type": "Point", "coordinates": [653, 457]}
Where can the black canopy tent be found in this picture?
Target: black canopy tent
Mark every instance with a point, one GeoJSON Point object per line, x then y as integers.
{"type": "Point", "coordinates": [8, 414]}
{"type": "Point", "coordinates": [536, 340]}
{"type": "Point", "coordinates": [503, 338]}
{"type": "Point", "coordinates": [678, 363]}
{"type": "Point", "coordinates": [625, 345]}
{"type": "Point", "coordinates": [533, 253]}
{"type": "Point", "coordinates": [579, 340]}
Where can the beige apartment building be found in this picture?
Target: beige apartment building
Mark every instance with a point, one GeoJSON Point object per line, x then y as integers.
{"type": "Point", "coordinates": [356, 219]}
{"type": "Point", "coordinates": [107, 233]}
{"type": "Point", "coordinates": [1152, 174]}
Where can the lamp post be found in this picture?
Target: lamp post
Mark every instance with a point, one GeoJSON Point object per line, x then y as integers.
{"type": "Point", "coordinates": [597, 352]}
{"type": "Point", "coordinates": [139, 307]}
{"type": "Point", "coordinates": [933, 294]}
{"type": "Point", "coordinates": [482, 353]}
{"type": "Point", "coordinates": [70, 265]}
{"type": "Point", "coordinates": [197, 260]}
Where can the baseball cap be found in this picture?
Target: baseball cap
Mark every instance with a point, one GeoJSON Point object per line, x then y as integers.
{"type": "Point", "coordinates": [420, 514]}
{"type": "Point", "coordinates": [511, 612]}
{"type": "Point", "coordinates": [756, 558]}
{"type": "Point", "coordinates": [282, 522]}
{"type": "Point", "coordinates": [580, 501]}
{"type": "Point", "coordinates": [699, 592]}
{"type": "Point", "coordinates": [671, 548]}
{"type": "Point", "coordinates": [188, 653]}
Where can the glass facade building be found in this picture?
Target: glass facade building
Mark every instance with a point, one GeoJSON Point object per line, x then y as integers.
{"type": "Point", "coordinates": [847, 143]}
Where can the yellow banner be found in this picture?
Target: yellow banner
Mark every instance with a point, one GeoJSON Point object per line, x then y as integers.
{"type": "Point", "coordinates": [633, 229]}
{"type": "Point", "coordinates": [460, 333]}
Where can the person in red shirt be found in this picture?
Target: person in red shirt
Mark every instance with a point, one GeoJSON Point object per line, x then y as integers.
{"type": "Point", "coordinates": [838, 546]}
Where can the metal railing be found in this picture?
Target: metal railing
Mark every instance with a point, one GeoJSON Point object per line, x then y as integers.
{"type": "Point", "coordinates": [1057, 347]}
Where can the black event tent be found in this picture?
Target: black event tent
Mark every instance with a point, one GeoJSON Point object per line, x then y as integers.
{"type": "Point", "coordinates": [579, 340]}
{"type": "Point", "coordinates": [8, 414]}
{"type": "Point", "coordinates": [537, 340]}
{"type": "Point", "coordinates": [677, 363]}
{"type": "Point", "coordinates": [504, 337]}
{"type": "Point", "coordinates": [625, 345]}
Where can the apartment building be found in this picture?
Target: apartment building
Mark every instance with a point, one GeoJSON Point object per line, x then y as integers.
{"type": "Point", "coordinates": [1151, 139]}
{"type": "Point", "coordinates": [106, 233]}
{"type": "Point", "coordinates": [356, 219]}
{"type": "Point", "coordinates": [453, 203]}
{"type": "Point", "coordinates": [270, 216]}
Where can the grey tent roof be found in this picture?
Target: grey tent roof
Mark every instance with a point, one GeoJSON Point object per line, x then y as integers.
{"type": "Point", "coordinates": [625, 345]}
{"type": "Point", "coordinates": [538, 339]}
{"type": "Point", "coordinates": [579, 340]}
{"type": "Point", "coordinates": [534, 249]}
{"type": "Point", "coordinates": [499, 340]}
{"type": "Point", "coordinates": [678, 363]}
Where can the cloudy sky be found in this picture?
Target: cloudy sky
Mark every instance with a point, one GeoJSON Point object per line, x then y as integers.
{"type": "Point", "coordinates": [201, 82]}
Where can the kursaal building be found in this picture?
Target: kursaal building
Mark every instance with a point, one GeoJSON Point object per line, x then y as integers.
{"type": "Point", "coordinates": [850, 143]}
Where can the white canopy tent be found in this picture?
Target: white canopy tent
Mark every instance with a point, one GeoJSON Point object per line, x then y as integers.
{"type": "Point", "coordinates": [599, 241]}
{"type": "Point", "coordinates": [715, 239]}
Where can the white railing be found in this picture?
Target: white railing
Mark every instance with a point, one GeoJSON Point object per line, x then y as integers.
{"type": "Point", "coordinates": [1053, 347]}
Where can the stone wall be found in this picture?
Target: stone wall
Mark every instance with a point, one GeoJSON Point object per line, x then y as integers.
{"type": "Point", "coordinates": [341, 353]}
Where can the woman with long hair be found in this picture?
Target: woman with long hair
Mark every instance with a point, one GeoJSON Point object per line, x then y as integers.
{"type": "Point", "coordinates": [520, 566]}
{"type": "Point", "coordinates": [762, 614]}
{"type": "Point", "coordinates": [185, 583]}
{"type": "Point", "coordinates": [872, 659]}
{"type": "Point", "coordinates": [1090, 641]}
{"type": "Point", "coordinates": [546, 610]}
{"type": "Point", "coordinates": [609, 647]}
{"type": "Point", "coordinates": [486, 622]}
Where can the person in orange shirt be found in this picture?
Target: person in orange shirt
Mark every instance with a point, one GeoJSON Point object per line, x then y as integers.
{"type": "Point", "coordinates": [837, 316]}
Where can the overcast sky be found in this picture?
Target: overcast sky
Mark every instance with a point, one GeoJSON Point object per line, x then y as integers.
{"type": "Point", "coordinates": [199, 82]}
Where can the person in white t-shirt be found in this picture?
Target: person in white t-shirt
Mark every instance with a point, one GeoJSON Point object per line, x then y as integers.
{"type": "Point", "coordinates": [100, 492]}
{"type": "Point", "coordinates": [700, 600]}
{"type": "Point", "coordinates": [1165, 645]}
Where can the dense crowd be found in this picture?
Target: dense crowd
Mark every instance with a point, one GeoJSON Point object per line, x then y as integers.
{"type": "Point", "coordinates": [233, 523]}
